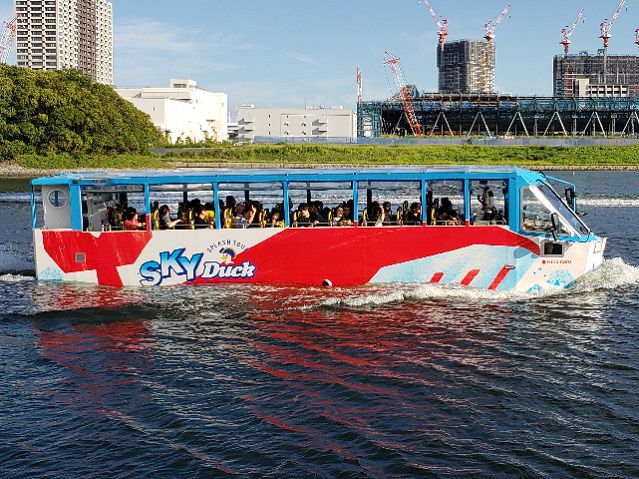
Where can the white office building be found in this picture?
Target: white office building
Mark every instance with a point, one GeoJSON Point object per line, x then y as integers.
{"type": "Point", "coordinates": [57, 34]}
{"type": "Point", "coordinates": [183, 111]}
{"type": "Point", "coordinates": [296, 124]}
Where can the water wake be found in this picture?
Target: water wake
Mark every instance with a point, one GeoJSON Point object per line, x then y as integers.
{"type": "Point", "coordinates": [15, 278]}
{"type": "Point", "coordinates": [613, 274]}
{"type": "Point", "coordinates": [609, 202]}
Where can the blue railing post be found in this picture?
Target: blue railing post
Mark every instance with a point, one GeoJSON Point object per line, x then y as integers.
{"type": "Point", "coordinates": [216, 206]}
{"type": "Point", "coordinates": [33, 207]}
{"type": "Point", "coordinates": [424, 205]}
{"type": "Point", "coordinates": [75, 201]}
{"type": "Point", "coordinates": [147, 207]}
{"type": "Point", "coordinates": [514, 208]}
{"type": "Point", "coordinates": [467, 201]}
{"type": "Point", "coordinates": [287, 207]}
{"type": "Point", "coordinates": [355, 204]}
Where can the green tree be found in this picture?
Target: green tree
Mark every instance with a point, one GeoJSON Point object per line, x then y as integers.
{"type": "Point", "coordinates": [65, 112]}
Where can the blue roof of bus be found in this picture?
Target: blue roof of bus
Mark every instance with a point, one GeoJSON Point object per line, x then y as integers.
{"type": "Point", "coordinates": [271, 175]}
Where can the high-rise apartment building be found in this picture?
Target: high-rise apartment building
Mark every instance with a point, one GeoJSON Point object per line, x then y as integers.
{"type": "Point", "coordinates": [466, 66]}
{"type": "Point", "coordinates": [57, 34]}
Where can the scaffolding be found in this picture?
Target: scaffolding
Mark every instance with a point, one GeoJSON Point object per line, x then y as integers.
{"type": "Point", "coordinates": [466, 66]}
{"type": "Point", "coordinates": [597, 71]}
{"type": "Point", "coordinates": [461, 115]}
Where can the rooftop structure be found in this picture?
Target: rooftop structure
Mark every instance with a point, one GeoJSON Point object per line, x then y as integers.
{"type": "Point", "coordinates": [466, 66]}
{"type": "Point", "coordinates": [182, 111]}
{"type": "Point", "coordinates": [57, 34]}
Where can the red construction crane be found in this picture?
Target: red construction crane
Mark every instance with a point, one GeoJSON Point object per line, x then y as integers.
{"type": "Point", "coordinates": [405, 94]}
{"type": "Point", "coordinates": [567, 32]}
{"type": "Point", "coordinates": [8, 35]}
{"type": "Point", "coordinates": [441, 22]}
{"type": "Point", "coordinates": [491, 27]}
{"type": "Point", "coordinates": [607, 25]}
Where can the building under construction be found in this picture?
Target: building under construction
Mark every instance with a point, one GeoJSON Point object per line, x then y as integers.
{"type": "Point", "coordinates": [495, 115]}
{"type": "Point", "coordinates": [466, 66]}
{"type": "Point", "coordinates": [600, 75]}
{"type": "Point", "coordinates": [594, 95]}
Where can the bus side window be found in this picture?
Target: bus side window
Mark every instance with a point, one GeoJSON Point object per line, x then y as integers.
{"type": "Point", "coordinates": [446, 202]}
{"type": "Point", "coordinates": [489, 202]}
{"type": "Point", "coordinates": [389, 203]}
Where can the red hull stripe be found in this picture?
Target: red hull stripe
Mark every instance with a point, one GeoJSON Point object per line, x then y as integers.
{"type": "Point", "coordinates": [501, 276]}
{"type": "Point", "coordinates": [437, 277]}
{"type": "Point", "coordinates": [102, 254]}
{"type": "Point", "coordinates": [470, 277]}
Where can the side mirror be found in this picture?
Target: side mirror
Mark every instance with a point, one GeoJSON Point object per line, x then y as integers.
{"type": "Point", "coordinates": [554, 218]}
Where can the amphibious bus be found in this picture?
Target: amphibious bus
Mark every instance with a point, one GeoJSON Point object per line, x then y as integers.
{"type": "Point", "coordinates": [495, 228]}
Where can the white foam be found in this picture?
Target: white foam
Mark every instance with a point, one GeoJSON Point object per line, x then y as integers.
{"type": "Point", "coordinates": [15, 278]}
{"type": "Point", "coordinates": [16, 197]}
{"type": "Point", "coordinates": [403, 293]}
{"type": "Point", "coordinates": [610, 202]}
{"type": "Point", "coordinates": [611, 275]}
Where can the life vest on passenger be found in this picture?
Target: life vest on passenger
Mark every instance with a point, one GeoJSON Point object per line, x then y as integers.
{"type": "Point", "coordinates": [228, 218]}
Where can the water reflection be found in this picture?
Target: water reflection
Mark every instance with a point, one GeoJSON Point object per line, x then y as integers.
{"type": "Point", "coordinates": [392, 381]}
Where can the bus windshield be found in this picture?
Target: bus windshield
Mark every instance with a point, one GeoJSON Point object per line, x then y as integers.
{"type": "Point", "coordinates": [539, 202]}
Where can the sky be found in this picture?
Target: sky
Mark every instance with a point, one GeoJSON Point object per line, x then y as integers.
{"type": "Point", "coordinates": [289, 53]}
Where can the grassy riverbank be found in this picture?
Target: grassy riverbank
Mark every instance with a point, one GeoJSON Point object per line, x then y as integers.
{"type": "Point", "coordinates": [595, 157]}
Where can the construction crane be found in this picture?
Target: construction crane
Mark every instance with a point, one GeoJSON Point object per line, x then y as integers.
{"type": "Point", "coordinates": [441, 22]}
{"type": "Point", "coordinates": [360, 87]}
{"type": "Point", "coordinates": [637, 36]}
{"type": "Point", "coordinates": [8, 35]}
{"type": "Point", "coordinates": [405, 94]}
{"type": "Point", "coordinates": [567, 32]}
{"type": "Point", "coordinates": [491, 27]}
{"type": "Point", "coordinates": [607, 25]}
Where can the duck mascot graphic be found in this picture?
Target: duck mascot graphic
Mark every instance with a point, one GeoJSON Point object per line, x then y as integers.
{"type": "Point", "coordinates": [228, 255]}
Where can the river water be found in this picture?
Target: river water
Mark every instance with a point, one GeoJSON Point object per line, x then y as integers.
{"type": "Point", "coordinates": [412, 381]}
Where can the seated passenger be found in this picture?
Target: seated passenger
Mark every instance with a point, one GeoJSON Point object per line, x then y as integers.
{"type": "Point", "coordinates": [388, 213]}
{"type": "Point", "coordinates": [199, 219]}
{"type": "Point", "coordinates": [377, 215]}
{"type": "Point", "coordinates": [166, 223]}
{"type": "Point", "coordinates": [447, 215]}
{"type": "Point", "coordinates": [132, 223]}
{"type": "Point", "coordinates": [231, 203]}
{"type": "Point", "coordinates": [414, 215]}
{"type": "Point", "coordinates": [349, 210]}
{"type": "Point", "coordinates": [315, 215]}
{"type": "Point", "coordinates": [338, 216]}
{"type": "Point", "coordinates": [246, 219]}
{"type": "Point", "coordinates": [276, 221]}
{"type": "Point", "coordinates": [304, 217]}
